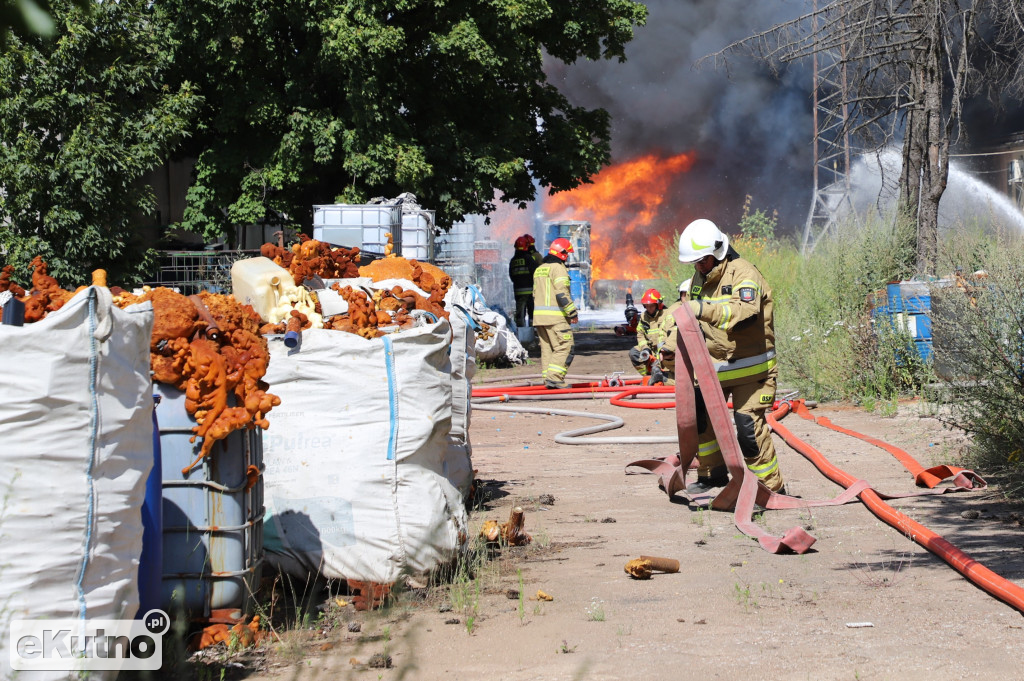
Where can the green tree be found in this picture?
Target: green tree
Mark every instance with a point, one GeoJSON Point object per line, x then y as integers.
{"type": "Point", "coordinates": [83, 117]}
{"type": "Point", "coordinates": [28, 17]}
{"type": "Point", "coordinates": [310, 101]}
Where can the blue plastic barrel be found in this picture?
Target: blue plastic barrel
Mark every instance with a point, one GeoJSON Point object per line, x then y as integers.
{"type": "Point", "coordinates": [151, 560]}
{"type": "Point", "coordinates": [894, 297]}
{"type": "Point", "coordinates": [919, 326]}
{"type": "Point", "coordinates": [916, 296]}
{"type": "Point", "coordinates": [578, 286]}
{"type": "Point", "coordinates": [923, 349]}
{"type": "Point", "coordinates": [213, 520]}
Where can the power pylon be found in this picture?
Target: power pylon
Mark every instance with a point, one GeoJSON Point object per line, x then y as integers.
{"type": "Point", "coordinates": [831, 200]}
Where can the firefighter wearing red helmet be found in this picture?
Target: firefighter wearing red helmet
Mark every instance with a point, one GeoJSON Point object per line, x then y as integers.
{"type": "Point", "coordinates": [733, 304]}
{"type": "Point", "coordinates": [520, 270]}
{"type": "Point", "coordinates": [653, 331]}
{"type": "Point", "coordinates": [554, 313]}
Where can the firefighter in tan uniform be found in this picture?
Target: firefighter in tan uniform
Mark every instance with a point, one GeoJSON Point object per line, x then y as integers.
{"type": "Point", "coordinates": [733, 304]}
{"type": "Point", "coordinates": [668, 330]}
{"type": "Point", "coordinates": [554, 313]}
{"type": "Point", "coordinates": [652, 333]}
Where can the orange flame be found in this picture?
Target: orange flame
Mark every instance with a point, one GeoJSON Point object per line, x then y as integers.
{"type": "Point", "coordinates": [622, 205]}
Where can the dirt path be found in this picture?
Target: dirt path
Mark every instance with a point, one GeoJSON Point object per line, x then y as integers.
{"type": "Point", "coordinates": [735, 611]}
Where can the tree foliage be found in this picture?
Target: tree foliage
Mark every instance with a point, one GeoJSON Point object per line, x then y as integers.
{"type": "Point", "coordinates": [82, 118]}
{"type": "Point", "coordinates": [978, 321]}
{"type": "Point", "coordinates": [309, 101]}
{"type": "Point", "coordinates": [29, 17]}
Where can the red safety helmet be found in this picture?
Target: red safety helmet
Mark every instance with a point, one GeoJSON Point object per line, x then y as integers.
{"type": "Point", "coordinates": [652, 297]}
{"type": "Point", "coordinates": [560, 248]}
{"type": "Point", "coordinates": [529, 240]}
{"type": "Point", "coordinates": [521, 244]}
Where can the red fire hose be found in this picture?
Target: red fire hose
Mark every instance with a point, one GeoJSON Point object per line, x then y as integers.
{"type": "Point", "coordinates": [978, 574]}
{"type": "Point", "coordinates": [745, 489]}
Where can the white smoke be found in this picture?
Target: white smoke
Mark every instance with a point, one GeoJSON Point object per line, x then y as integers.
{"type": "Point", "coordinates": [966, 200]}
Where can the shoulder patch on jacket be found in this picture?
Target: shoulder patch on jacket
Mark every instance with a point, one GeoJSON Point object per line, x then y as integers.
{"type": "Point", "coordinates": [747, 294]}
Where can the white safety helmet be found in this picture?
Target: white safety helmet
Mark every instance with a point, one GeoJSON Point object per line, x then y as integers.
{"type": "Point", "coordinates": [702, 237]}
{"type": "Point", "coordinates": [685, 286]}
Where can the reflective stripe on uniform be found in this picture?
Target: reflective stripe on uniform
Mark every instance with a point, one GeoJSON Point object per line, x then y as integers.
{"type": "Point", "coordinates": [748, 366]}
{"type": "Point", "coordinates": [557, 369]}
{"type": "Point", "coordinates": [764, 470]}
{"type": "Point", "coordinates": [707, 449]}
{"type": "Point", "coordinates": [726, 315]}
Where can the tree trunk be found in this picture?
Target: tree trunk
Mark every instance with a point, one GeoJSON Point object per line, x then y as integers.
{"type": "Point", "coordinates": [926, 142]}
{"type": "Point", "coordinates": [935, 169]}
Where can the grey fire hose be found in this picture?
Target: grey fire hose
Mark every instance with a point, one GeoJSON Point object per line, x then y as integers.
{"type": "Point", "coordinates": [575, 436]}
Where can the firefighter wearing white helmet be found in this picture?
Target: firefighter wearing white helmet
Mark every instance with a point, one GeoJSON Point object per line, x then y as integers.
{"type": "Point", "coordinates": [684, 289]}
{"type": "Point", "coordinates": [733, 303]}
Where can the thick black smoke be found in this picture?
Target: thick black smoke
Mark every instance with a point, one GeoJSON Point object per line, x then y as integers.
{"type": "Point", "coordinates": [751, 129]}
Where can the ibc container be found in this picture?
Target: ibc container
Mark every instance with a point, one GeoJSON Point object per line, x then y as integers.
{"type": "Point", "coordinates": [212, 517]}
{"type": "Point", "coordinates": [462, 274]}
{"type": "Point", "coordinates": [486, 252]}
{"type": "Point", "coordinates": [359, 225]}
{"type": "Point", "coordinates": [457, 243]}
{"type": "Point", "coordinates": [418, 235]}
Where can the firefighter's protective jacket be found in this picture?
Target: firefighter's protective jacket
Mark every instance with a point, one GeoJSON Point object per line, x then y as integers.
{"type": "Point", "coordinates": [552, 302]}
{"type": "Point", "coordinates": [736, 318]}
{"type": "Point", "coordinates": [520, 271]}
{"type": "Point", "coordinates": [668, 328]}
{"type": "Point", "coordinates": [652, 331]}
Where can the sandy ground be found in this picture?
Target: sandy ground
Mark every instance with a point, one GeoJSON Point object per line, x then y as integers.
{"type": "Point", "coordinates": [733, 612]}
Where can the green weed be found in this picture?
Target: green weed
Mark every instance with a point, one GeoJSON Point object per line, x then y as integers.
{"type": "Point", "coordinates": [595, 611]}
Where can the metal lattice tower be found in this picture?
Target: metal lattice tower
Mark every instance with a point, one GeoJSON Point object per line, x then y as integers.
{"type": "Point", "coordinates": [831, 199]}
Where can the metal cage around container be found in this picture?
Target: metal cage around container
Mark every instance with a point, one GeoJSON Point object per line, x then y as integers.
{"type": "Point", "coordinates": [192, 272]}
{"type": "Point", "coordinates": [212, 517]}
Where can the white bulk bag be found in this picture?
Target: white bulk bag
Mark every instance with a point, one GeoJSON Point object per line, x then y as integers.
{"type": "Point", "coordinates": [77, 433]}
{"type": "Point", "coordinates": [458, 463]}
{"type": "Point", "coordinates": [354, 482]}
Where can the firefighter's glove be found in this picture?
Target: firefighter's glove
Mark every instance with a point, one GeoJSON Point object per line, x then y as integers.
{"type": "Point", "coordinates": [574, 319]}
{"type": "Point", "coordinates": [695, 306]}
{"type": "Point", "coordinates": [638, 356]}
{"type": "Point", "coordinates": [657, 376]}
